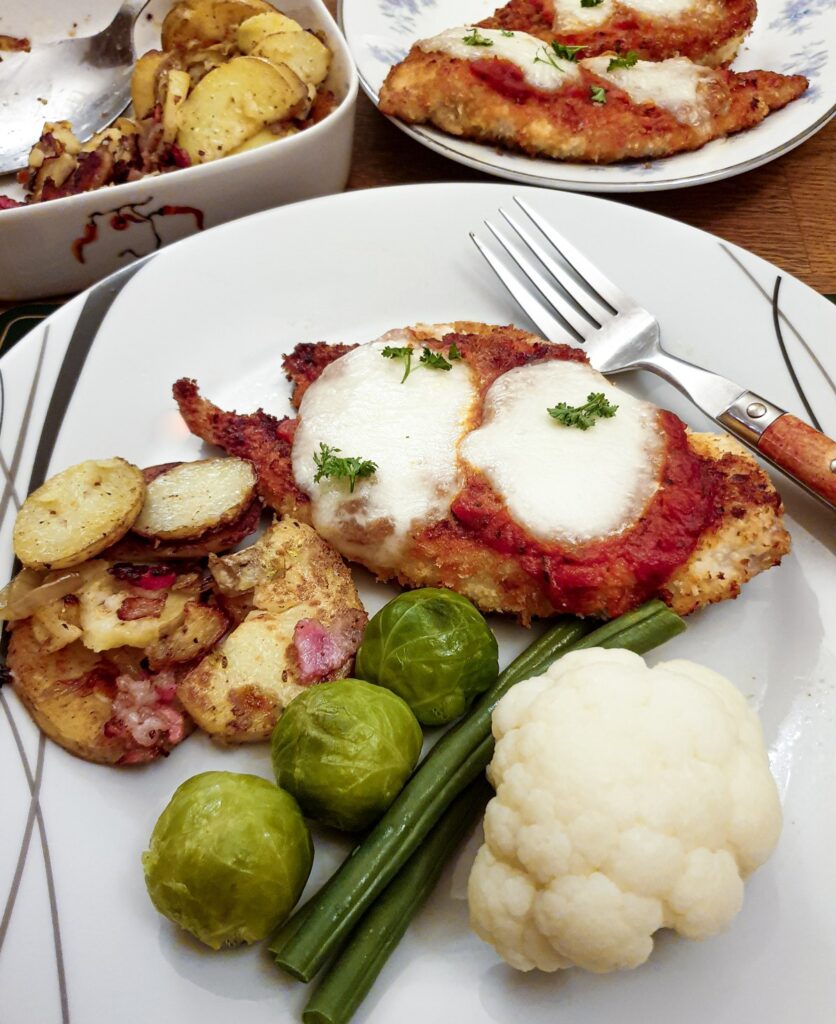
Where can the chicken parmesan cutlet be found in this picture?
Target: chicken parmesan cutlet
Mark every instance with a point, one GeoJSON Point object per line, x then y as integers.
{"type": "Point", "coordinates": [514, 90]}
{"type": "Point", "coordinates": [706, 31]}
{"type": "Point", "coordinates": [487, 460]}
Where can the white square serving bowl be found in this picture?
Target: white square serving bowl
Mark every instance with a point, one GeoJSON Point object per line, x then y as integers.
{"type": "Point", "coordinates": [67, 244]}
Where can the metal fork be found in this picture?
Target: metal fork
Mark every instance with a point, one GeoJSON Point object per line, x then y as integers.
{"type": "Point", "coordinates": [618, 335]}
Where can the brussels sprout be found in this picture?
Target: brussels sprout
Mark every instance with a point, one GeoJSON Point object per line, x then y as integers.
{"type": "Point", "coordinates": [228, 858]}
{"type": "Point", "coordinates": [345, 750]}
{"type": "Point", "coordinates": [434, 649]}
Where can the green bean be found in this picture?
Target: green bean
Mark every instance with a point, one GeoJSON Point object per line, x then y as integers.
{"type": "Point", "coordinates": [374, 939]}
{"type": "Point", "coordinates": [458, 758]}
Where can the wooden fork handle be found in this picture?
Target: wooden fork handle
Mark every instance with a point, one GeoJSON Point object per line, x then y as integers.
{"type": "Point", "coordinates": [803, 452]}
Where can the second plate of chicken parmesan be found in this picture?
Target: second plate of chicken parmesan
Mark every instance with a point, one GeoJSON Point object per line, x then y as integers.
{"type": "Point", "coordinates": [599, 95]}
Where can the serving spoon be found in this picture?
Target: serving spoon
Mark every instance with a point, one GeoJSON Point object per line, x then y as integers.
{"type": "Point", "coordinates": [84, 81]}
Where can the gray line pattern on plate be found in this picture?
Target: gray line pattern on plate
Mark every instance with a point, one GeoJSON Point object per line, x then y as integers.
{"type": "Point", "coordinates": [10, 472]}
{"type": "Point", "coordinates": [776, 321]}
{"type": "Point", "coordinates": [99, 300]}
{"type": "Point", "coordinates": [807, 348]}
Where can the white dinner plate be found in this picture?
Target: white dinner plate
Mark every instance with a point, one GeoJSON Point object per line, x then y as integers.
{"type": "Point", "coordinates": [790, 36]}
{"type": "Point", "coordinates": [81, 943]}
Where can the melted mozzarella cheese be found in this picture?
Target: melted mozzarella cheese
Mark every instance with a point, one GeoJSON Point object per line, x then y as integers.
{"type": "Point", "coordinates": [562, 483]}
{"type": "Point", "coordinates": [569, 14]}
{"type": "Point", "coordinates": [411, 430]}
{"type": "Point", "coordinates": [672, 84]}
{"type": "Point", "coordinates": [540, 67]}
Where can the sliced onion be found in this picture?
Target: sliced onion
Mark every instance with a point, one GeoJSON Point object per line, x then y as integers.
{"type": "Point", "coordinates": [29, 591]}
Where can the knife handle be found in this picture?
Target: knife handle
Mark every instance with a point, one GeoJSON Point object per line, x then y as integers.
{"type": "Point", "coordinates": [805, 454]}
{"type": "Point", "coordinates": [802, 452]}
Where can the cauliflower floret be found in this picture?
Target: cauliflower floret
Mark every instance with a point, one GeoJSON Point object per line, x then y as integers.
{"type": "Point", "coordinates": [628, 799]}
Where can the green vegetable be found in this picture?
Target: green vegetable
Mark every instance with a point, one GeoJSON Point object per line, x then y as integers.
{"type": "Point", "coordinates": [228, 858]}
{"type": "Point", "coordinates": [433, 649]}
{"type": "Point", "coordinates": [598, 94]}
{"type": "Point", "coordinates": [555, 50]}
{"type": "Point", "coordinates": [506, 33]}
{"type": "Point", "coordinates": [475, 38]}
{"type": "Point", "coordinates": [627, 61]}
{"type": "Point", "coordinates": [583, 416]}
{"type": "Point", "coordinates": [329, 464]}
{"type": "Point", "coordinates": [459, 757]}
{"type": "Point", "coordinates": [591, 3]}
{"type": "Point", "coordinates": [344, 750]}
{"type": "Point", "coordinates": [399, 352]}
{"type": "Point", "coordinates": [434, 360]}
{"type": "Point", "coordinates": [374, 939]}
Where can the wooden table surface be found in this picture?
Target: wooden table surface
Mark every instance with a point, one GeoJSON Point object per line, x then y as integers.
{"type": "Point", "coordinates": [784, 211]}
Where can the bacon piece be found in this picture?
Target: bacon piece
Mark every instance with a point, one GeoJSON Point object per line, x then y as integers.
{"type": "Point", "coordinates": [7, 203]}
{"type": "Point", "coordinates": [141, 608]}
{"type": "Point", "coordinates": [327, 652]}
{"type": "Point", "coordinates": [257, 436]}
{"type": "Point", "coordinates": [143, 714]}
{"type": "Point", "coordinates": [147, 577]}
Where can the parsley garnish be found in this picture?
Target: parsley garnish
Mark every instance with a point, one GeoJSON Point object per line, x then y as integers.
{"type": "Point", "coordinates": [507, 34]}
{"type": "Point", "coordinates": [598, 94]}
{"type": "Point", "coordinates": [434, 360]}
{"type": "Point", "coordinates": [329, 464]}
{"type": "Point", "coordinates": [475, 38]}
{"type": "Point", "coordinates": [556, 50]}
{"type": "Point", "coordinates": [627, 61]}
{"type": "Point", "coordinates": [591, 3]}
{"type": "Point", "coordinates": [405, 353]}
{"type": "Point", "coordinates": [583, 416]}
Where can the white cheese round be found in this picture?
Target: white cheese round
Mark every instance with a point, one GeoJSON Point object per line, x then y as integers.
{"type": "Point", "coordinates": [537, 61]}
{"type": "Point", "coordinates": [561, 483]}
{"type": "Point", "coordinates": [672, 84]}
{"type": "Point", "coordinates": [411, 430]}
{"type": "Point", "coordinates": [568, 14]}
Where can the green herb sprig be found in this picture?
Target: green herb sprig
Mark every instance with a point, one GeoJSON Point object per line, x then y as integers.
{"type": "Point", "coordinates": [431, 360]}
{"type": "Point", "coordinates": [591, 3]}
{"type": "Point", "coordinates": [627, 61]}
{"type": "Point", "coordinates": [405, 353]}
{"type": "Point", "coordinates": [550, 54]}
{"type": "Point", "coordinates": [584, 416]}
{"type": "Point", "coordinates": [505, 32]}
{"type": "Point", "coordinates": [475, 38]}
{"type": "Point", "coordinates": [329, 464]}
{"type": "Point", "coordinates": [598, 94]}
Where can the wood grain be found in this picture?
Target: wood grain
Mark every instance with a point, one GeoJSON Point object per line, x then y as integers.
{"type": "Point", "coordinates": [803, 452]}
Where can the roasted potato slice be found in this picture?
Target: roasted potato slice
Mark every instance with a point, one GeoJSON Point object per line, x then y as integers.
{"type": "Point", "coordinates": [144, 82]}
{"type": "Point", "coordinates": [250, 32]}
{"type": "Point", "coordinates": [78, 513]}
{"type": "Point", "coordinates": [202, 627]}
{"type": "Point", "coordinates": [102, 612]}
{"type": "Point", "coordinates": [192, 498]}
{"type": "Point", "coordinates": [77, 698]}
{"type": "Point", "coordinates": [133, 548]}
{"type": "Point", "coordinates": [265, 137]}
{"type": "Point", "coordinates": [57, 624]}
{"type": "Point", "coordinates": [235, 101]}
{"type": "Point", "coordinates": [175, 90]}
{"type": "Point", "coordinates": [192, 23]}
{"type": "Point", "coordinates": [238, 692]}
{"type": "Point", "coordinates": [302, 52]}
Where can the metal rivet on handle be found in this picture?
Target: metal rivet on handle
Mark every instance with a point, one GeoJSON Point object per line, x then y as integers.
{"type": "Point", "coordinates": [833, 465]}
{"type": "Point", "coordinates": [756, 410]}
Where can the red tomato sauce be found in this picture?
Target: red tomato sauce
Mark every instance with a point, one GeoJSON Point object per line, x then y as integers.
{"type": "Point", "coordinates": [503, 77]}
{"type": "Point", "coordinates": [631, 566]}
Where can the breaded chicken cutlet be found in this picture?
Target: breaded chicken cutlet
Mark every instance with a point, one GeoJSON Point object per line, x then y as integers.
{"type": "Point", "coordinates": [706, 31]}
{"type": "Point", "coordinates": [517, 91]}
{"type": "Point", "coordinates": [445, 456]}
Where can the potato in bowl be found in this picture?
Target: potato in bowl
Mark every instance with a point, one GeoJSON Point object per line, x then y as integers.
{"type": "Point", "coordinates": [50, 248]}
